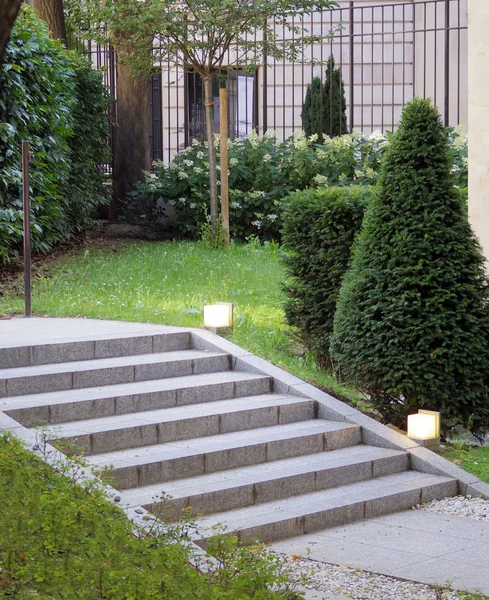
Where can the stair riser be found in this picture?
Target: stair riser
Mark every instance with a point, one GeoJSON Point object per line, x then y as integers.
{"type": "Point", "coordinates": [25, 356]}
{"type": "Point", "coordinates": [160, 433]}
{"type": "Point", "coordinates": [123, 405]}
{"type": "Point", "coordinates": [277, 489]}
{"type": "Point", "coordinates": [292, 526]}
{"type": "Point", "coordinates": [54, 382]}
{"type": "Point", "coordinates": [220, 460]}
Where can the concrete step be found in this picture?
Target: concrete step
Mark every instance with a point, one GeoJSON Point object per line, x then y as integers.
{"type": "Point", "coordinates": [108, 371]}
{"type": "Point", "coordinates": [177, 460]}
{"type": "Point", "coordinates": [103, 346]}
{"type": "Point", "coordinates": [76, 405]}
{"type": "Point", "coordinates": [109, 434]}
{"type": "Point", "coordinates": [265, 482]}
{"type": "Point", "coordinates": [315, 511]}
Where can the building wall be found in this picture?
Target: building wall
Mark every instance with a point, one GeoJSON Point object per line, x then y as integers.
{"type": "Point", "coordinates": [478, 77]}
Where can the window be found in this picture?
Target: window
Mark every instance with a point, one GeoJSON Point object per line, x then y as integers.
{"type": "Point", "coordinates": [241, 101]}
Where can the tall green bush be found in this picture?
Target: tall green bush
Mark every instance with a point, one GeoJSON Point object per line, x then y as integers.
{"type": "Point", "coordinates": [312, 110]}
{"type": "Point", "coordinates": [334, 102]}
{"type": "Point", "coordinates": [319, 228]}
{"type": "Point", "coordinates": [412, 320]}
{"type": "Point", "coordinates": [46, 100]}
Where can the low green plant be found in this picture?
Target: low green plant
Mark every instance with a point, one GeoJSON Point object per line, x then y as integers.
{"type": "Point", "coordinates": [61, 538]}
{"type": "Point", "coordinates": [317, 256]}
{"type": "Point", "coordinates": [412, 319]}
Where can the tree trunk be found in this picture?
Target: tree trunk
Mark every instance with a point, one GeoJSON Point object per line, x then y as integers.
{"type": "Point", "coordinates": [9, 9]}
{"type": "Point", "coordinates": [209, 117]}
{"type": "Point", "coordinates": [131, 139]}
{"type": "Point", "coordinates": [51, 11]}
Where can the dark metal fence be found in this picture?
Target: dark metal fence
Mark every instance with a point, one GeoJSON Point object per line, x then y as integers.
{"type": "Point", "coordinates": [387, 52]}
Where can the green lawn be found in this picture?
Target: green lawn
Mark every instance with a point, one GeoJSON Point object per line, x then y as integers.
{"type": "Point", "coordinates": [474, 460]}
{"type": "Point", "coordinates": [169, 283]}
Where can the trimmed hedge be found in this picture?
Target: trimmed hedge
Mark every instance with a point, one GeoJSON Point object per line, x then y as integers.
{"type": "Point", "coordinates": [412, 321]}
{"type": "Point", "coordinates": [319, 228]}
{"type": "Point", "coordinates": [49, 97]}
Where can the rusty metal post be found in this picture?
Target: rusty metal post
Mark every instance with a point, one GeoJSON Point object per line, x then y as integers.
{"type": "Point", "coordinates": [223, 128]}
{"type": "Point", "coordinates": [26, 207]}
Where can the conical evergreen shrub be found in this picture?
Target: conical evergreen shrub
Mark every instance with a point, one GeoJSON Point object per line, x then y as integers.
{"type": "Point", "coordinates": [334, 102]}
{"type": "Point", "coordinates": [412, 321]}
{"type": "Point", "coordinates": [312, 119]}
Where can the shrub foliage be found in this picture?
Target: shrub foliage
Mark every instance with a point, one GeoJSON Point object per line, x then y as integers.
{"type": "Point", "coordinates": [60, 539]}
{"type": "Point", "coordinates": [317, 255]}
{"type": "Point", "coordinates": [324, 109]}
{"type": "Point", "coordinates": [49, 97]}
{"type": "Point", "coordinates": [412, 320]}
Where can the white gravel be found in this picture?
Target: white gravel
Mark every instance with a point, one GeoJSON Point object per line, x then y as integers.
{"type": "Point", "coordinates": [363, 585]}
{"type": "Point", "coordinates": [357, 584]}
{"type": "Point", "coordinates": [460, 506]}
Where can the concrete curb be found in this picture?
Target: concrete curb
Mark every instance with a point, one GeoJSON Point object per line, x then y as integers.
{"type": "Point", "coordinates": [373, 433]}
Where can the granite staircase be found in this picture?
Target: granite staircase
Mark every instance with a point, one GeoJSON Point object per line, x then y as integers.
{"type": "Point", "coordinates": [184, 430]}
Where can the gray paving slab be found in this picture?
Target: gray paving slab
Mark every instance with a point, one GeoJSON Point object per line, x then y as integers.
{"type": "Point", "coordinates": [17, 332]}
{"type": "Point", "coordinates": [420, 546]}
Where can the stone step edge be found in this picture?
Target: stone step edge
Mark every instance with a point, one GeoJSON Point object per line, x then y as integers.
{"type": "Point", "coordinates": [181, 391]}
{"type": "Point", "coordinates": [154, 425]}
{"type": "Point", "coordinates": [270, 523]}
{"type": "Point", "coordinates": [109, 371]}
{"type": "Point", "coordinates": [317, 475]}
{"type": "Point", "coordinates": [177, 460]}
{"type": "Point", "coordinates": [105, 346]}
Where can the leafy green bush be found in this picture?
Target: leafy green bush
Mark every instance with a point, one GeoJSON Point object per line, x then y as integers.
{"type": "Point", "coordinates": [60, 539]}
{"type": "Point", "coordinates": [87, 187]}
{"type": "Point", "coordinates": [412, 320]}
{"type": "Point", "coordinates": [45, 98]}
{"type": "Point", "coordinates": [262, 172]}
{"type": "Point", "coordinates": [317, 256]}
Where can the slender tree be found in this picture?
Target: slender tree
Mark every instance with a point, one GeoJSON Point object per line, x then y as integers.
{"type": "Point", "coordinates": [51, 11]}
{"type": "Point", "coordinates": [198, 35]}
{"type": "Point", "coordinates": [9, 9]}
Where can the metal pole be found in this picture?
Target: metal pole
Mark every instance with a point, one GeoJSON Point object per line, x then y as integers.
{"type": "Point", "coordinates": [223, 127]}
{"type": "Point", "coordinates": [265, 83]}
{"type": "Point", "coordinates": [447, 63]}
{"type": "Point", "coordinates": [352, 67]}
{"type": "Point", "coordinates": [27, 228]}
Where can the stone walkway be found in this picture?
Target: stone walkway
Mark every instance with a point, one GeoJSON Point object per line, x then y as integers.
{"type": "Point", "coordinates": [415, 545]}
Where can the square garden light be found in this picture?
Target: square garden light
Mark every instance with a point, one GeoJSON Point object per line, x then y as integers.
{"type": "Point", "coordinates": [424, 428]}
{"type": "Point", "coordinates": [218, 317]}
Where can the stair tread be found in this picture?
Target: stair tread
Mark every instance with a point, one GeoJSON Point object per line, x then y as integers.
{"type": "Point", "coordinates": [299, 506]}
{"type": "Point", "coordinates": [124, 389]}
{"type": "Point", "coordinates": [105, 363]}
{"type": "Point", "coordinates": [262, 472]}
{"type": "Point", "coordinates": [178, 413]}
{"type": "Point", "coordinates": [224, 441]}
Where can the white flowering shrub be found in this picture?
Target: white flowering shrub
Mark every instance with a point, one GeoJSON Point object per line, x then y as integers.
{"type": "Point", "coordinates": [262, 172]}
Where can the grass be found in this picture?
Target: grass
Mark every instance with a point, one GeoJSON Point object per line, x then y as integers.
{"type": "Point", "coordinates": [475, 460]}
{"type": "Point", "coordinates": [169, 283]}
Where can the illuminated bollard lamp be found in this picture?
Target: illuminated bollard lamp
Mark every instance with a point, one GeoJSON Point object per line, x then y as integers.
{"type": "Point", "coordinates": [218, 318]}
{"type": "Point", "coordinates": [424, 428]}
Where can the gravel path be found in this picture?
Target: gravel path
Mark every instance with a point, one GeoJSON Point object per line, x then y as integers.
{"type": "Point", "coordinates": [362, 585]}
{"type": "Point", "coordinates": [359, 585]}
